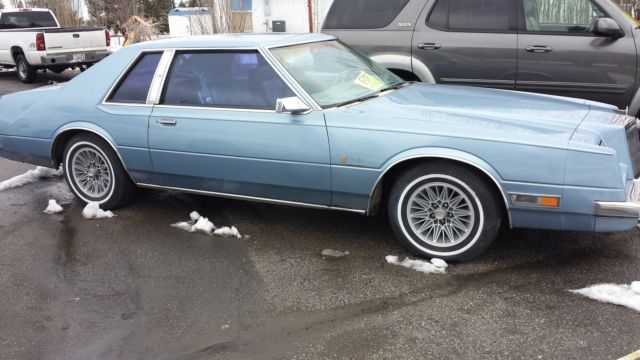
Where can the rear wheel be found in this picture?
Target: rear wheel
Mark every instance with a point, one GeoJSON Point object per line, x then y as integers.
{"type": "Point", "coordinates": [444, 210]}
{"type": "Point", "coordinates": [94, 172]}
{"type": "Point", "coordinates": [26, 72]}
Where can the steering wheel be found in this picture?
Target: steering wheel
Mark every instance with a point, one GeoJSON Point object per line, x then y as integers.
{"type": "Point", "coordinates": [204, 94]}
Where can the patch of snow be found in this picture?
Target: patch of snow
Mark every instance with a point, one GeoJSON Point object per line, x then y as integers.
{"type": "Point", "coordinates": [30, 176]}
{"type": "Point", "coordinates": [419, 265]}
{"type": "Point", "coordinates": [439, 263]}
{"type": "Point", "coordinates": [184, 226]}
{"type": "Point", "coordinates": [53, 207]}
{"type": "Point", "coordinates": [93, 211]}
{"type": "Point", "coordinates": [333, 253]}
{"type": "Point", "coordinates": [228, 231]}
{"type": "Point", "coordinates": [203, 224]}
{"type": "Point", "coordinates": [624, 295]}
{"type": "Point", "coordinates": [195, 216]}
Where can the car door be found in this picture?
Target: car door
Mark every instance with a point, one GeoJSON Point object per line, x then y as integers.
{"type": "Point", "coordinates": [125, 114]}
{"type": "Point", "coordinates": [558, 53]}
{"type": "Point", "coordinates": [216, 130]}
{"type": "Point", "coordinates": [468, 42]}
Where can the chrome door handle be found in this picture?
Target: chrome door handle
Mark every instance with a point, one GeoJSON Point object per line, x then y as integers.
{"type": "Point", "coordinates": [429, 46]}
{"type": "Point", "coordinates": [539, 49]}
{"type": "Point", "coordinates": [168, 122]}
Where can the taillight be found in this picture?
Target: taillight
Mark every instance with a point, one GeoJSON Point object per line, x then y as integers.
{"type": "Point", "coordinates": [40, 46]}
{"type": "Point", "coordinates": [108, 37]}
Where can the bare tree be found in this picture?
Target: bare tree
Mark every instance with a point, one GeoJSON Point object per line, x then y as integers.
{"type": "Point", "coordinates": [68, 12]}
{"type": "Point", "coordinates": [111, 13]}
{"type": "Point", "coordinates": [226, 19]}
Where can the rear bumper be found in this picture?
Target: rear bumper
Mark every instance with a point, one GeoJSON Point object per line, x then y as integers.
{"type": "Point", "coordinates": [73, 58]}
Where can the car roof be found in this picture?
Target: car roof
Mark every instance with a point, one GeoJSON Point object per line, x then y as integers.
{"type": "Point", "coordinates": [242, 40]}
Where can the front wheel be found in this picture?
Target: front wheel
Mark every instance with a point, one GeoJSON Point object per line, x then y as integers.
{"type": "Point", "coordinates": [444, 210]}
{"type": "Point", "coordinates": [94, 172]}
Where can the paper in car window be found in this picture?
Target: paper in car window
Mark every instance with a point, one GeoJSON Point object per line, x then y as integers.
{"type": "Point", "coordinates": [369, 81]}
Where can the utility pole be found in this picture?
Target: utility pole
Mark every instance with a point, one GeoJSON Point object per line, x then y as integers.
{"type": "Point", "coordinates": [310, 7]}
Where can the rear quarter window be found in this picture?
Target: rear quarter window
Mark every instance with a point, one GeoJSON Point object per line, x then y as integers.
{"type": "Point", "coordinates": [363, 14]}
{"type": "Point", "coordinates": [134, 86]}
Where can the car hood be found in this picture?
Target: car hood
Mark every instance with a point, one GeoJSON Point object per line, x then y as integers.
{"type": "Point", "coordinates": [478, 112]}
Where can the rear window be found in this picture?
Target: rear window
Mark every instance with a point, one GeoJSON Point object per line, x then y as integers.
{"type": "Point", "coordinates": [363, 14]}
{"type": "Point", "coordinates": [27, 19]}
{"type": "Point", "coordinates": [472, 15]}
{"type": "Point", "coordinates": [134, 87]}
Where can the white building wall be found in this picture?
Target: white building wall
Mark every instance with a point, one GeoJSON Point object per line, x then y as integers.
{"type": "Point", "coordinates": [294, 12]}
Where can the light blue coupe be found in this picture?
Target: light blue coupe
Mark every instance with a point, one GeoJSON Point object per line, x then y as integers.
{"type": "Point", "coordinates": [304, 120]}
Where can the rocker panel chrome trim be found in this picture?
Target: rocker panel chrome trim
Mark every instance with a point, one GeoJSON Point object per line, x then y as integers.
{"type": "Point", "coordinates": [251, 198]}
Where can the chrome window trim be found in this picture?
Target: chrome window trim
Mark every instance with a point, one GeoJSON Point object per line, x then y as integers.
{"type": "Point", "coordinates": [292, 85]}
{"type": "Point", "coordinates": [252, 198]}
{"type": "Point", "coordinates": [495, 181]}
{"type": "Point", "coordinates": [193, 107]}
{"type": "Point", "coordinates": [105, 99]}
{"type": "Point", "coordinates": [157, 83]}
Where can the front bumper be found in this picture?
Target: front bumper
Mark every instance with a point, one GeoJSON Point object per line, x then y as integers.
{"type": "Point", "coordinates": [627, 209]}
{"type": "Point", "coordinates": [74, 58]}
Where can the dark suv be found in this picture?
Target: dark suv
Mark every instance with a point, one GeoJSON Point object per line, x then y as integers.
{"type": "Point", "coordinates": [579, 48]}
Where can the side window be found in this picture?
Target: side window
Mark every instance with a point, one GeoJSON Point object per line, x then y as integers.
{"type": "Point", "coordinates": [229, 79]}
{"type": "Point", "coordinates": [472, 15]}
{"type": "Point", "coordinates": [134, 86]}
{"type": "Point", "coordinates": [560, 16]}
{"type": "Point", "coordinates": [363, 14]}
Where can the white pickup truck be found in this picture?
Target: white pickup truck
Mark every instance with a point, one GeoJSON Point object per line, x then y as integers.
{"type": "Point", "coordinates": [32, 40]}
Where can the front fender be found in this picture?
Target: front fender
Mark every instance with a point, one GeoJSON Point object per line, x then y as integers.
{"type": "Point", "coordinates": [441, 153]}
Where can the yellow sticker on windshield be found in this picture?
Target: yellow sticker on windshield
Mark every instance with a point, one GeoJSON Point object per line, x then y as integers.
{"type": "Point", "coordinates": [369, 81]}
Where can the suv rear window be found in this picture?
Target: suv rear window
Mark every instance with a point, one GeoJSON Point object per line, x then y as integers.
{"type": "Point", "coordinates": [27, 19]}
{"type": "Point", "coordinates": [363, 14]}
{"type": "Point", "coordinates": [472, 15]}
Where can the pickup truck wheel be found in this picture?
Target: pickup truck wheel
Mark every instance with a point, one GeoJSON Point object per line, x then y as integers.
{"type": "Point", "coordinates": [94, 172]}
{"type": "Point", "coordinates": [26, 72]}
{"type": "Point", "coordinates": [444, 211]}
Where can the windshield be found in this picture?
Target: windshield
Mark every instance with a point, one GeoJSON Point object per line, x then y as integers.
{"type": "Point", "coordinates": [334, 74]}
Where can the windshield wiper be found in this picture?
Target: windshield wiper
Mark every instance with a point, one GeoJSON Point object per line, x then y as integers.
{"type": "Point", "coordinates": [393, 87]}
{"type": "Point", "coordinates": [360, 99]}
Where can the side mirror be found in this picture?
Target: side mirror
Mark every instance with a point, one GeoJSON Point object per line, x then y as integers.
{"type": "Point", "coordinates": [292, 105]}
{"type": "Point", "coordinates": [607, 27]}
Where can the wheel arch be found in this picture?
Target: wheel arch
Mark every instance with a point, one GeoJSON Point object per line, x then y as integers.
{"type": "Point", "coordinates": [400, 163]}
{"type": "Point", "coordinates": [405, 63]}
{"type": "Point", "coordinates": [15, 51]}
{"type": "Point", "coordinates": [64, 134]}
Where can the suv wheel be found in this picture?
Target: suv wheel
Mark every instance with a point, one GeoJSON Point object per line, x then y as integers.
{"type": "Point", "coordinates": [444, 211]}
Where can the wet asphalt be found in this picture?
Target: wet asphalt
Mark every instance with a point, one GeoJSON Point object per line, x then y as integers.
{"type": "Point", "coordinates": [132, 287]}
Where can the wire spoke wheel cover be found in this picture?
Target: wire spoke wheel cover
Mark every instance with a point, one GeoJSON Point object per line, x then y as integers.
{"type": "Point", "coordinates": [440, 214]}
{"type": "Point", "coordinates": [92, 173]}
